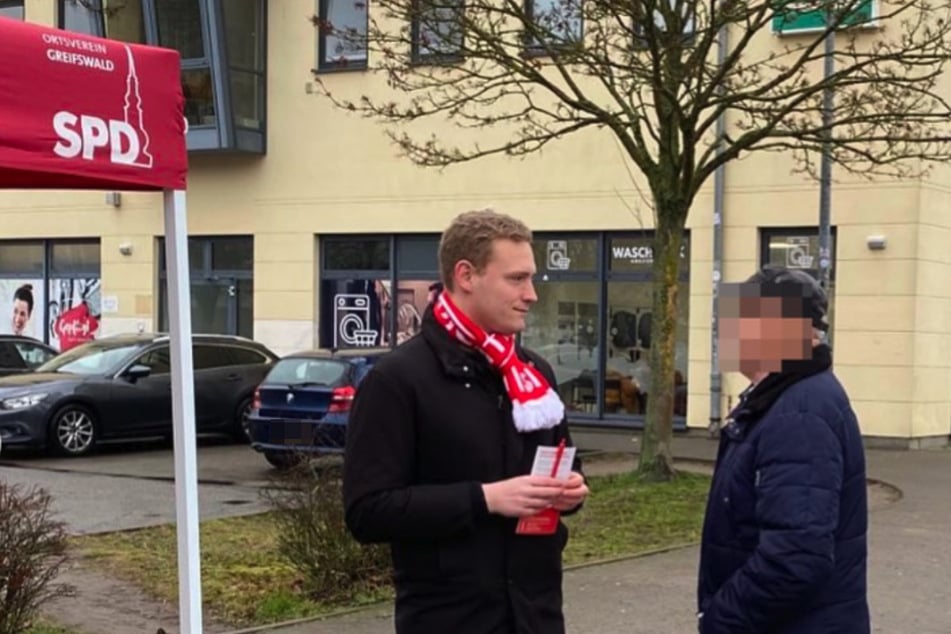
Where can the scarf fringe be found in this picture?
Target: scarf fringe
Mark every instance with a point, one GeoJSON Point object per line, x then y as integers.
{"type": "Point", "coordinates": [541, 413]}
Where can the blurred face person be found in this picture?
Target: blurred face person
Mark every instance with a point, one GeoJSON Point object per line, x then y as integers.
{"type": "Point", "coordinates": [761, 334]}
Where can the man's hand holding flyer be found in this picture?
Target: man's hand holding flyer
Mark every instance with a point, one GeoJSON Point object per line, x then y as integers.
{"type": "Point", "coordinates": [554, 462]}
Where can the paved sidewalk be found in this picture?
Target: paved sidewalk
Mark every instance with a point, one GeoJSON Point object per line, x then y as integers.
{"type": "Point", "coordinates": [910, 566]}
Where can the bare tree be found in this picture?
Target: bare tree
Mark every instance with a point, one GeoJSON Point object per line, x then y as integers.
{"type": "Point", "coordinates": [659, 75]}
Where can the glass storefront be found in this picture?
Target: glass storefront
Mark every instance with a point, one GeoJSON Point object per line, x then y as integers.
{"type": "Point", "coordinates": [592, 321]}
{"type": "Point", "coordinates": [222, 285]}
{"type": "Point", "coordinates": [374, 290]}
{"type": "Point", "coordinates": [51, 290]}
{"type": "Point", "coordinates": [798, 248]}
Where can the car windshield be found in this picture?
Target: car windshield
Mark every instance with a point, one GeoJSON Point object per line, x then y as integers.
{"type": "Point", "coordinates": [304, 371]}
{"type": "Point", "coordinates": [90, 358]}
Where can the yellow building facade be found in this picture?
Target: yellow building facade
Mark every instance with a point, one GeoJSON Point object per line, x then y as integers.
{"type": "Point", "coordinates": [328, 238]}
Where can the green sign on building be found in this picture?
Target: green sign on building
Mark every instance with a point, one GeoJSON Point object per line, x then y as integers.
{"type": "Point", "coordinates": [797, 16]}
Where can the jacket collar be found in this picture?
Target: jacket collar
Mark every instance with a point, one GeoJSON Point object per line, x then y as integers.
{"type": "Point", "coordinates": [756, 400]}
{"type": "Point", "coordinates": [457, 360]}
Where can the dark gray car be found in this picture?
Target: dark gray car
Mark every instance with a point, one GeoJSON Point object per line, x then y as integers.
{"type": "Point", "coordinates": [20, 354]}
{"type": "Point", "coordinates": [120, 387]}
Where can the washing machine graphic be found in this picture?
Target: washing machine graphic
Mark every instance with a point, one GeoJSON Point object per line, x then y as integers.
{"type": "Point", "coordinates": [352, 319]}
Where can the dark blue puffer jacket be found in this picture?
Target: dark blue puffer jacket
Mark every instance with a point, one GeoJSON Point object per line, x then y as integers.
{"type": "Point", "coordinates": [784, 539]}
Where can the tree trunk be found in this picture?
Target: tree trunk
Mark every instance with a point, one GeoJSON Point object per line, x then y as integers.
{"type": "Point", "coordinates": [656, 459]}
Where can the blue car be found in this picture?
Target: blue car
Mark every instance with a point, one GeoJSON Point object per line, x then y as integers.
{"type": "Point", "coordinates": [303, 404]}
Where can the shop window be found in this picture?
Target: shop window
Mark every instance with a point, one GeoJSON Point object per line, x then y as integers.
{"type": "Point", "coordinates": [371, 254]}
{"type": "Point", "coordinates": [566, 255]}
{"type": "Point", "coordinates": [417, 254]}
{"type": "Point", "coordinates": [795, 248]}
{"type": "Point", "coordinates": [593, 321]}
{"type": "Point", "coordinates": [232, 254]}
{"type": "Point", "coordinates": [628, 343]}
{"type": "Point", "coordinates": [21, 258]}
{"type": "Point", "coordinates": [563, 327]}
{"type": "Point", "coordinates": [72, 258]}
{"type": "Point", "coordinates": [411, 301]}
{"type": "Point", "coordinates": [22, 301]}
{"type": "Point", "coordinates": [50, 290]}
{"type": "Point", "coordinates": [635, 254]}
{"type": "Point", "coordinates": [356, 312]}
{"type": "Point", "coordinates": [364, 300]}
{"type": "Point", "coordinates": [799, 249]}
{"type": "Point", "coordinates": [221, 271]}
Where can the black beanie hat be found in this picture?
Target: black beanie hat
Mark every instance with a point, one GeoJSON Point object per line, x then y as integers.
{"type": "Point", "coordinates": [777, 281]}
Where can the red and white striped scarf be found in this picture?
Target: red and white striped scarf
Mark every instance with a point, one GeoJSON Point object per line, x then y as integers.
{"type": "Point", "coordinates": [534, 404]}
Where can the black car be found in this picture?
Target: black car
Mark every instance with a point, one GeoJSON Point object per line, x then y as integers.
{"type": "Point", "coordinates": [304, 403]}
{"type": "Point", "coordinates": [120, 387]}
{"type": "Point", "coordinates": [22, 354]}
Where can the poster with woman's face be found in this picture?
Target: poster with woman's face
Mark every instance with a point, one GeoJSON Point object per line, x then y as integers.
{"type": "Point", "coordinates": [21, 307]}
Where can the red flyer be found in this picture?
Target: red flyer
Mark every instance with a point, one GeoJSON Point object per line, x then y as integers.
{"type": "Point", "coordinates": [554, 462]}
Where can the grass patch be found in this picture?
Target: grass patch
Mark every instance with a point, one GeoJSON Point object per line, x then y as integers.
{"type": "Point", "coordinates": [244, 578]}
{"type": "Point", "coordinates": [246, 581]}
{"type": "Point", "coordinates": [626, 516]}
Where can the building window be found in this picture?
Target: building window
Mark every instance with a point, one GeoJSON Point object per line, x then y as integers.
{"type": "Point", "coordinates": [222, 47]}
{"type": "Point", "coordinates": [799, 16]}
{"type": "Point", "coordinates": [123, 21]}
{"type": "Point", "coordinates": [660, 24]}
{"type": "Point", "coordinates": [11, 9]}
{"type": "Point", "coordinates": [179, 26]}
{"type": "Point", "coordinates": [221, 276]}
{"type": "Point", "coordinates": [437, 30]}
{"type": "Point", "coordinates": [556, 23]}
{"type": "Point", "coordinates": [799, 249]}
{"type": "Point", "coordinates": [51, 290]}
{"type": "Point", "coordinates": [342, 34]}
{"type": "Point", "coordinates": [244, 33]}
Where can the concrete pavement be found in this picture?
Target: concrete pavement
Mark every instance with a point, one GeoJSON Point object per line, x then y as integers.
{"type": "Point", "coordinates": [110, 490]}
{"type": "Point", "coordinates": [909, 566]}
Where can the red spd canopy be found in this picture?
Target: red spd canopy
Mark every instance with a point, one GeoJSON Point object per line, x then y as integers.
{"type": "Point", "coordinates": [82, 112]}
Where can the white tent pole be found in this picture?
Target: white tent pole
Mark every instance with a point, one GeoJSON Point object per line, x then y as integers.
{"type": "Point", "coordinates": [183, 412]}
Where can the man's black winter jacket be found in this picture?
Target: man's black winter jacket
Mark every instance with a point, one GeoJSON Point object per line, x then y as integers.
{"type": "Point", "coordinates": [430, 424]}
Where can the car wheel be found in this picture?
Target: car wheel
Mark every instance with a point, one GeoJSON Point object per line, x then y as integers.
{"type": "Point", "coordinates": [242, 429]}
{"type": "Point", "coordinates": [72, 431]}
{"type": "Point", "coordinates": [282, 460]}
